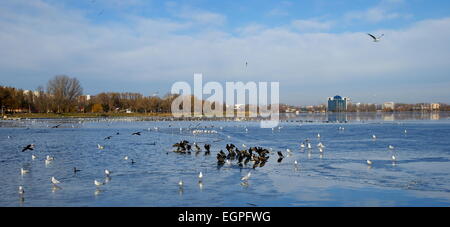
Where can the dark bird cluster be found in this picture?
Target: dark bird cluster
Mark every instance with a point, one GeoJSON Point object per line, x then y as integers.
{"type": "Point", "coordinates": [184, 147]}
{"type": "Point", "coordinates": [257, 155]}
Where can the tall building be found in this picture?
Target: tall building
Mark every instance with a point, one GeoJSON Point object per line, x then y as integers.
{"type": "Point", "coordinates": [389, 106]}
{"type": "Point", "coordinates": [337, 104]}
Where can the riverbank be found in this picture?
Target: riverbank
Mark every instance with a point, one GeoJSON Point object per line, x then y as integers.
{"type": "Point", "coordinates": [82, 115]}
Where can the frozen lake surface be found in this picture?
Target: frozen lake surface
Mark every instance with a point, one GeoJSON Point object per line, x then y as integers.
{"type": "Point", "coordinates": [339, 176]}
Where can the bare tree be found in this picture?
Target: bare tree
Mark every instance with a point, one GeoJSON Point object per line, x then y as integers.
{"type": "Point", "coordinates": [64, 92]}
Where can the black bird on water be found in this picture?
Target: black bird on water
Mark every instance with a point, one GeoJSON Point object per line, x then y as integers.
{"type": "Point", "coordinates": [28, 147]}
{"type": "Point", "coordinates": [207, 148]}
{"type": "Point", "coordinates": [221, 156]}
{"type": "Point", "coordinates": [75, 170]}
{"type": "Point", "coordinates": [136, 134]}
{"type": "Point", "coordinates": [108, 138]}
{"type": "Point", "coordinates": [56, 126]}
{"type": "Point", "coordinates": [280, 157]}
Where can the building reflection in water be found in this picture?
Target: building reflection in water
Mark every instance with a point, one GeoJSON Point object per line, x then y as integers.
{"type": "Point", "coordinates": [343, 117]}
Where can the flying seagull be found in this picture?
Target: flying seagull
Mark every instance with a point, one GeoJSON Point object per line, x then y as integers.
{"type": "Point", "coordinates": [375, 39]}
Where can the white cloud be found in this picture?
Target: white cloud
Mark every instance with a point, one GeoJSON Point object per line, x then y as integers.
{"type": "Point", "coordinates": [148, 52]}
{"type": "Point", "coordinates": [383, 11]}
{"type": "Point", "coordinates": [311, 25]}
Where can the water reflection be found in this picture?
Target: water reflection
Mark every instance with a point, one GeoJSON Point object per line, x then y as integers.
{"type": "Point", "coordinates": [365, 116]}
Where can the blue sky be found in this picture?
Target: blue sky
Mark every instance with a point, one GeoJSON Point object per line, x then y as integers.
{"type": "Point", "coordinates": [315, 48]}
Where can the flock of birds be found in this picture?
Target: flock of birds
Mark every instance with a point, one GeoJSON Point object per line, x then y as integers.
{"type": "Point", "coordinates": [243, 156]}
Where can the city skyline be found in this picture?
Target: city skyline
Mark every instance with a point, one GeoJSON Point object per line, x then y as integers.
{"type": "Point", "coordinates": [315, 49]}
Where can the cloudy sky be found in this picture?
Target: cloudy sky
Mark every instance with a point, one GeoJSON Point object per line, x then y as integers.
{"type": "Point", "coordinates": [314, 48]}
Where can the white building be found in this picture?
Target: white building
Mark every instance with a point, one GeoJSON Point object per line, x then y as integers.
{"type": "Point", "coordinates": [389, 105]}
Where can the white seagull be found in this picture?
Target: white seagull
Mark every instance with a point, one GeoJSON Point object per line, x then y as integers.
{"type": "Point", "coordinates": [98, 183]}
{"type": "Point", "coordinates": [391, 147]}
{"type": "Point", "coordinates": [21, 190]}
{"type": "Point", "coordinates": [33, 157]}
{"type": "Point", "coordinates": [54, 181]}
{"type": "Point", "coordinates": [180, 183]}
{"type": "Point", "coordinates": [100, 147]}
{"type": "Point", "coordinates": [394, 158]}
{"type": "Point", "coordinates": [376, 39]}
{"type": "Point", "coordinates": [107, 172]}
{"type": "Point", "coordinates": [200, 177]}
{"type": "Point", "coordinates": [246, 177]}
{"type": "Point", "coordinates": [23, 171]}
{"type": "Point", "coordinates": [369, 162]}
{"type": "Point", "coordinates": [374, 137]}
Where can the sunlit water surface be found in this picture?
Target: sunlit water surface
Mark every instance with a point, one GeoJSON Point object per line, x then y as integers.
{"type": "Point", "coordinates": [338, 177]}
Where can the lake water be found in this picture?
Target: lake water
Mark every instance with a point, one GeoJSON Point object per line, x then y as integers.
{"type": "Point", "coordinates": [338, 177]}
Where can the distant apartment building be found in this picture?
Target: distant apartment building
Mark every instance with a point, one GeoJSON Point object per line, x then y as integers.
{"type": "Point", "coordinates": [389, 106]}
{"type": "Point", "coordinates": [435, 106]}
{"type": "Point", "coordinates": [27, 92]}
{"type": "Point", "coordinates": [84, 98]}
{"type": "Point", "coordinates": [337, 104]}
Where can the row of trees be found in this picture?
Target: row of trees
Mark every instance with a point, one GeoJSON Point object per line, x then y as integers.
{"type": "Point", "coordinates": [61, 96]}
{"type": "Point", "coordinates": [64, 94]}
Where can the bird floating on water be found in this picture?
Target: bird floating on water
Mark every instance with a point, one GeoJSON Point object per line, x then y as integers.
{"type": "Point", "coordinates": [75, 170]}
{"type": "Point", "coordinates": [100, 147]}
{"type": "Point", "coordinates": [200, 177]}
{"type": "Point", "coordinates": [21, 190]}
{"type": "Point", "coordinates": [369, 162]}
{"type": "Point", "coordinates": [55, 181]}
{"type": "Point", "coordinates": [33, 157]}
{"type": "Point", "coordinates": [374, 137]}
{"type": "Point", "coordinates": [98, 183]}
{"type": "Point", "coordinates": [246, 177]}
{"type": "Point", "coordinates": [24, 171]}
{"type": "Point", "coordinates": [107, 172]}
{"type": "Point", "coordinates": [391, 147]}
{"type": "Point", "coordinates": [48, 159]}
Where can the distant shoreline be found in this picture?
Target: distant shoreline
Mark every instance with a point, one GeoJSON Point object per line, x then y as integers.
{"type": "Point", "coordinates": [162, 115]}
